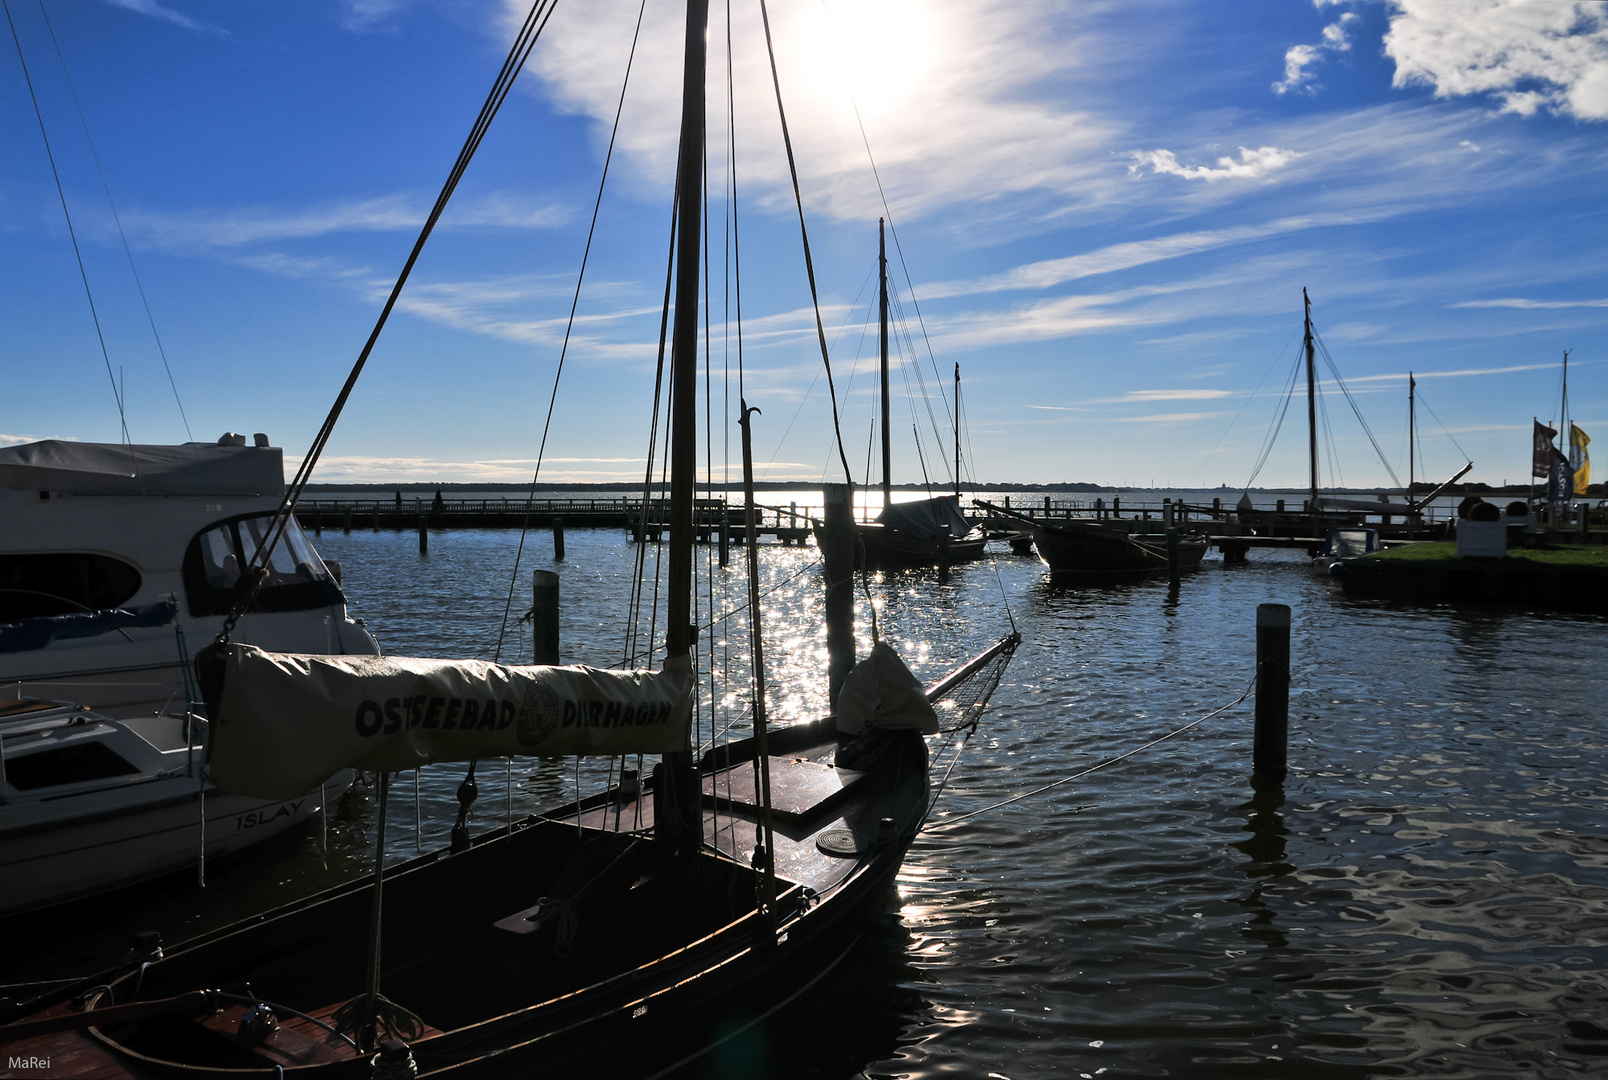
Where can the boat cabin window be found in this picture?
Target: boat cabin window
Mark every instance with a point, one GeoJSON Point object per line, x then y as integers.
{"type": "Point", "coordinates": [72, 764]}
{"type": "Point", "coordinates": [63, 582]}
{"type": "Point", "coordinates": [297, 578]}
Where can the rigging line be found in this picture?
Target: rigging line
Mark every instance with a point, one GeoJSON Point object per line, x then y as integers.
{"type": "Point", "coordinates": [1239, 414]}
{"type": "Point", "coordinates": [909, 350]}
{"type": "Point", "coordinates": [888, 213]}
{"type": "Point", "coordinates": [530, 30]}
{"type": "Point", "coordinates": [946, 823]}
{"type": "Point", "coordinates": [1443, 427]}
{"type": "Point", "coordinates": [71, 232]}
{"type": "Point", "coordinates": [563, 351]}
{"type": "Point", "coordinates": [809, 264]}
{"type": "Point", "coordinates": [640, 556]}
{"type": "Point", "coordinates": [116, 218]}
{"type": "Point", "coordinates": [1357, 411]}
{"type": "Point", "coordinates": [1277, 425]}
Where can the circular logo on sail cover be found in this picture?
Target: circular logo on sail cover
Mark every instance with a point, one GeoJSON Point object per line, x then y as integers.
{"type": "Point", "coordinates": [538, 714]}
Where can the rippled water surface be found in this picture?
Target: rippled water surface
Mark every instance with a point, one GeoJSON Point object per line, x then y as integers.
{"type": "Point", "coordinates": [1425, 896]}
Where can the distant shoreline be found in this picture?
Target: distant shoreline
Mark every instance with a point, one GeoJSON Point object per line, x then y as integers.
{"type": "Point", "coordinates": [415, 487]}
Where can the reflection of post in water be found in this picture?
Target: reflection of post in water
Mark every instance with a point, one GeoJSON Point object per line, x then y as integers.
{"type": "Point", "coordinates": [548, 782]}
{"type": "Point", "coordinates": [1264, 849]}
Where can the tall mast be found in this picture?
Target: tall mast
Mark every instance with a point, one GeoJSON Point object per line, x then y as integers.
{"type": "Point", "coordinates": [684, 338]}
{"type": "Point", "coordinates": [677, 810]}
{"type": "Point", "coordinates": [957, 429]}
{"type": "Point", "coordinates": [887, 438]}
{"type": "Point", "coordinates": [1412, 424]}
{"type": "Point", "coordinates": [1312, 403]}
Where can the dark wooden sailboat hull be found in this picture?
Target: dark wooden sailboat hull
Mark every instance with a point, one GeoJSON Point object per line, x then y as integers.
{"type": "Point", "coordinates": [891, 549]}
{"type": "Point", "coordinates": [641, 970]}
{"type": "Point", "coordinates": [1094, 551]}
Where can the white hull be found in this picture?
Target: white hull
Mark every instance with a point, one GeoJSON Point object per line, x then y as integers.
{"type": "Point", "coordinates": [131, 841]}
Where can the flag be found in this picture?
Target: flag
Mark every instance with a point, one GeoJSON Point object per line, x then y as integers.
{"type": "Point", "coordinates": [1544, 452]}
{"type": "Point", "coordinates": [1579, 459]}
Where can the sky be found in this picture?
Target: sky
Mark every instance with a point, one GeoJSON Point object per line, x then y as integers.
{"type": "Point", "coordinates": [1104, 213]}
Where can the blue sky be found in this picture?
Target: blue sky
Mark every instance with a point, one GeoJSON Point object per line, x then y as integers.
{"type": "Point", "coordinates": [1107, 212]}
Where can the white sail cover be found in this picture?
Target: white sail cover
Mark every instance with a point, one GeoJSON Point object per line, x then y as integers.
{"type": "Point", "coordinates": [881, 692]}
{"type": "Point", "coordinates": [288, 721]}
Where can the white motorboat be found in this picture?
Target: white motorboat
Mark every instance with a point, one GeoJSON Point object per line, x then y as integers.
{"type": "Point", "coordinates": [91, 804]}
{"type": "Point", "coordinates": [115, 562]}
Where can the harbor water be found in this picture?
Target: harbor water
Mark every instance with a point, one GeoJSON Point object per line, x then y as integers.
{"type": "Point", "coordinates": [1427, 895]}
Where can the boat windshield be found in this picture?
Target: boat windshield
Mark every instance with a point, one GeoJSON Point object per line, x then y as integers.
{"type": "Point", "coordinates": [297, 578]}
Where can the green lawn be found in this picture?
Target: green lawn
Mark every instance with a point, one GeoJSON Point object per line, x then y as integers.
{"type": "Point", "coordinates": [1439, 550]}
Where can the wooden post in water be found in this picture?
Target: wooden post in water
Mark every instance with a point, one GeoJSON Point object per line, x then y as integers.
{"type": "Point", "coordinates": [837, 553]}
{"type": "Point", "coordinates": [558, 539]}
{"type": "Point", "coordinates": [1170, 523]}
{"type": "Point", "coordinates": [346, 521]}
{"type": "Point", "coordinates": [1269, 748]}
{"type": "Point", "coordinates": [725, 536]}
{"type": "Point", "coordinates": [544, 617]}
{"type": "Point", "coordinates": [424, 534]}
{"type": "Point", "coordinates": [318, 523]}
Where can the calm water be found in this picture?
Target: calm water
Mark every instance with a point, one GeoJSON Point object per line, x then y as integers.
{"type": "Point", "coordinates": [1427, 895]}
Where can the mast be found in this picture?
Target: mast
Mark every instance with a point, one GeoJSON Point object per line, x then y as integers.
{"type": "Point", "coordinates": [1312, 403]}
{"type": "Point", "coordinates": [887, 439]}
{"type": "Point", "coordinates": [957, 430]}
{"type": "Point", "coordinates": [678, 816]}
{"type": "Point", "coordinates": [1412, 404]}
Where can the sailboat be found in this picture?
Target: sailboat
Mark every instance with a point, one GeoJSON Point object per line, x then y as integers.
{"type": "Point", "coordinates": [922, 532]}
{"type": "Point", "coordinates": [1323, 513]}
{"type": "Point", "coordinates": [664, 915]}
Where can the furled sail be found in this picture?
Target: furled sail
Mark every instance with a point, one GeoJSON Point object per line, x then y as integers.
{"type": "Point", "coordinates": [925, 519]}
{"type": "Point", "coordinates": [284, 722]}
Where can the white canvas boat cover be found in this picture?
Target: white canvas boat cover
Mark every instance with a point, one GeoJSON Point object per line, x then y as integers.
{"type": "Point", "coordinates": [77, 468]}
{"type": "Point", "coordinates": [881, 692]}
{"type": "Point", "coordinates": [925, 518]}
{"type": "Point", "coordinates": [288, 721]}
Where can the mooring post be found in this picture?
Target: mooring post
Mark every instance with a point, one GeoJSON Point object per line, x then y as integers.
{"type": "Point", "coordinates": [1269, 753]}
{"type": "Point", "coordinates": [424, 534]}
{"type": "Point", "coordinates": [725, 536]}
{"type": "Point", "coordinates": [544, 617]}
{"type": "Point", "coordinates": [837, 553]}
{"type": "Point", "coordinates": [558, 539]}
{"type": "Point", "coordinates": [318, 523]}
{"type": "Point", "coordinates": [346, 521]}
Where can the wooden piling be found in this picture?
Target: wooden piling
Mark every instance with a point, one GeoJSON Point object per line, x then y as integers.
{"type": "Point", "coordinates": [1269, 754]}
{"type": "Point", "coordinates": [725, 537]}
{"type": "Point", "coordinates": [558, 540]}
{"type": "Point", "coordinates": [346, 522]}
{"type": "Point", "coordinates": [318, 523]}
{"type": "Point", "coordinates": [424, 534]}
{"type": "Point", "coordinates": [837, 555]}
{"type": "Point", "coordinates": [544, 617]}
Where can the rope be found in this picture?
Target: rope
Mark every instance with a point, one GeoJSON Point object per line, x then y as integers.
{"type": "Point", "coordinates": [71, 232]}
{"type": "Point", "coordinates": [569, 326]}
{"type": "Point", "coordinates": [1096, 767]}
{"type": "Point", "coordinates": [809, 264]}
{"type": "Point", "coordinates": [118, 219]}
{"type": "Point", "coordinates": [530, 30]}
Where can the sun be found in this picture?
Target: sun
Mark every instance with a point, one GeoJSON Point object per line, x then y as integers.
{"type": "Point", "coordinates": [882, 51]}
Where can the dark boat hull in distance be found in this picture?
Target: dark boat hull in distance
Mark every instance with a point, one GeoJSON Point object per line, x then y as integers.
{"type": "Point", "coordinates": [890, 549]}
{"type": "Point", "coordinates": [1092, 550]}
{"type": "Point", "coordinates": [573, 939]}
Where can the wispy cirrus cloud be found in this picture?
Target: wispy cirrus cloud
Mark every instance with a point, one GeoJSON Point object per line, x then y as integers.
{"type": "Point", "coordinates": [261, 224]}
{"type": "Point", "coordinates": [1528, 56]}
{"type": "Point", "coordinates": [1252, 164]}
{"type": "Point", "coordinates": [151, 9]}
{"type": "Point", "coordinates": [1521, 303]}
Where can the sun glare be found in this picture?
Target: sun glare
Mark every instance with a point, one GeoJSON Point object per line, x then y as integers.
{"type": "Point", "coordinates": [881, 50]}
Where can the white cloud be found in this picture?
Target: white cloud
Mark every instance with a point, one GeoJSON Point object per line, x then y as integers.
{"type": "Point", "coordinates": [1529, 56]}
{"type": "Point", "coordinates": [1251, 164]}
{"type": "Point", "coordinates": [1300, 59]}
{"type": "Point", "coordinates": [1518, 302]}
{"type": "Point", "coordinates": [362, 15]}
{"type": "Point", "coordinates": [952, 94]}
{"type": "Point", "coordinates": [151, 9]}
{"type": "Point", "coordinates": [1176, 395]}
{"type": "Point", "coordinates": [256, 224]}
{"type": "Point", "coordinates": [18, 440]}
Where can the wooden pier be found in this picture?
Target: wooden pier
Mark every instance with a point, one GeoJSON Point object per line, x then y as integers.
{"type": "Point", "coordinates": [784, 524]}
